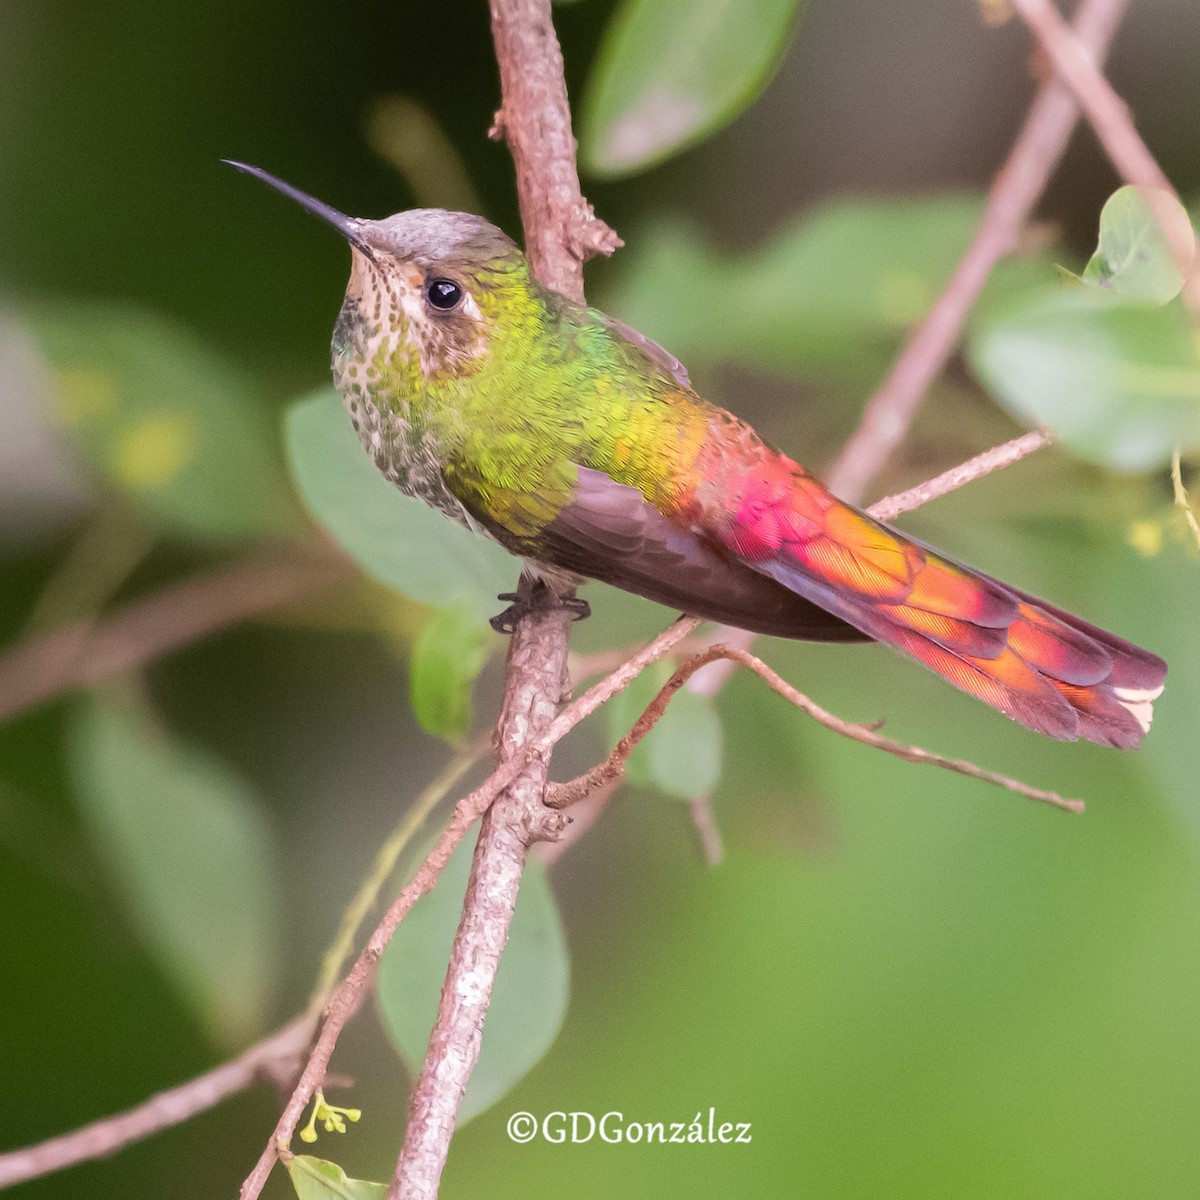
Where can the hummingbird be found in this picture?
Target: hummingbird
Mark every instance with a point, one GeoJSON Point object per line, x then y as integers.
{"type": "Point", "coordinates": [580, 445]}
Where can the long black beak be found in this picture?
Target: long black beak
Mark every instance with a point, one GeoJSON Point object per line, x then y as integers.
{"type": "Point", "coordinates": [348, 227]}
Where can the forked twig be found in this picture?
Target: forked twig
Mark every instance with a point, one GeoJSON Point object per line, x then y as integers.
{"type": "Point", "coordinates": [613, 767]}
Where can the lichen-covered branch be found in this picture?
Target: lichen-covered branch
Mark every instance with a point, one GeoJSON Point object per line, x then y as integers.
{"type": "Point", "coordinates": [561, 231]}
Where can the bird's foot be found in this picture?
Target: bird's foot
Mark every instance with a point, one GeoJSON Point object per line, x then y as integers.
{"type": "Point", "coordinates": [538, 599]}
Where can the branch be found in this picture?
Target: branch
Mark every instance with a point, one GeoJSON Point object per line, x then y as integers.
{"type": "Point", "coordinates": [561, 231]}
{"type": "Point", "coordinates": [995, 459]}
{"type": "Point", "coordinates": [88, 652]}
{"type": "Point", "coordinates": [350, 993]}
{"type": "Point", "coordinates": [161, 1111]}
{"type": "Point", "coordinates": [612, 768]}
{"type": "Point", "coordinates": [1017, 188]}
{"type": "Point", "coordinates": [1076, 67]}
{"type": "Point", "coordinates": [268, 1056]}
{"type": "Point", "coordinates": [536, 670]}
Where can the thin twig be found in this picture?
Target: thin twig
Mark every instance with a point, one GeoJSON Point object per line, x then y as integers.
{"type": "Point", "coordinates": [160, 1111]}
{"type": "Point", "coordinates": [87, 652]}
{"type": "Point", "coordinates": [350, 993]}
{"type": "Point", "coordinates": [613, 767]}
{"type": "Point", "coordinates": [1075, 65]}
{"type": "Point", "coordinates": [1077, 68]}
{"type": "Point", "coordinates": [601, 662]}
{"type": "Point", "coordinates": [995, 459]}
{"type": "Point", "coordinates": [385, 862]}
{"type": "Point", "coordinates": [1182, 500]}
{"type": "Point", "coordinates": [1018, 187]}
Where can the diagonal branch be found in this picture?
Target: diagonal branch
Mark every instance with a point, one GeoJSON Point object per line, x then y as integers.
{"type": "Point", "coordinates": [349, 994]}
{"type": "Point", "coordinates": [1109, 116]}
{"type": "Point", "coordinates": [611, 769]}
{"type": "Point", "coordinates": [1017, 188]}
{"type": "Point", "coordinates": [88, 652]}
{"type": "Point", "coordinates": [1075, 66]}
{"type": "Point", "coordinates": [161, 1111]}
{"type": "Point", "coordinates": [995, 459]}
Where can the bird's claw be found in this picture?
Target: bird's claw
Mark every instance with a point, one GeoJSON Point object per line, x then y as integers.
{"type": "Point", "coordinates": [538, 600]}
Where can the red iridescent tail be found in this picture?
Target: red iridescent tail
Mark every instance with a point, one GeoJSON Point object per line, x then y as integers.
{"type": "Point", "coordinates": [1033, 662]}
{"type": "Point", "coordinates": [1046, 668]}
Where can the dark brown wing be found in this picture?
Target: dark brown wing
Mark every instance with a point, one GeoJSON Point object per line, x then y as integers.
{"type": "Point", "coordinates": [609, 532]}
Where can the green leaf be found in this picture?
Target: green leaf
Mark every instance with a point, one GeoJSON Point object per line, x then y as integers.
{"type": "Point", "coordinates": [1117, 381]}
{"type": "Point", "coordinates": [319, 1179]}
{"type": "Point", "coordinates": [187, 843]}
{"type": "Point", "coordinates": [848, 277]}
{"type": "Point", "coordinates": [529, 999]}
{"type": "Point", "coordinates": [624, 709]}
{"type": "Point", "coordinates": [1134, 258]}
{"type": "Point", "coordinates": [166, 419]}
{"type": "Point", "coordinates": [399, 541]}
{"type": "Point", "coordinates": [681, 755]}
{"type": "Point", "coordinates": [670, 72]}
{"type": "Point", "coordinates": [685, 746]}
{"type": "Point", "coordinates": [447, 657]}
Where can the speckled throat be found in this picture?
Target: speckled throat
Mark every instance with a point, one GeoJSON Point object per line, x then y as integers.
{"type": "Point", "coordinates": [368, 347]}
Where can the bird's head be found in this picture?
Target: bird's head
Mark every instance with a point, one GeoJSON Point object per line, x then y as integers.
{"type": "Point", "coordinates": [425, 283]}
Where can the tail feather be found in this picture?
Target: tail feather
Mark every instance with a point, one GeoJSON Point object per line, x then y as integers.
{"type": "Point", "coordinates": [1058, 648]}
{"type": "Point", "coordinates": [1038, 664]}
{"type": "Point", "coordinates": [1047, 673]}
{"type": "Point", "coordinates": [1005, 680]}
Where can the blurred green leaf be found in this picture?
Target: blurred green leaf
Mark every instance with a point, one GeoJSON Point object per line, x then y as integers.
{"type": "Point", "coordinates": [319, 1179]}
{"type": "Point", "coordinates": [855, 274]}
{"type": "Point", "coordinates": [670, 72]}
{"type": "Point", "coordinates": [189, 847]}
{"type": "Point", "coordinates": [397, 540]}
{"type": "Point", "coordinates": [166, 419]}
{"type": "Point", "coordinates": [447, 657]}
{"type": "Point", "coordinates": [1117, 381]}
{"type": "Point", "coordinates": [624, 709]}
{"type": "Point", "coordinates": [685, 746]}
{"type": "Point", "coordinates": [529, 999]}
{"type": "Point", "coordinates": [681, 755]}
{"type": "Point", "coordinates": [1134, 258]}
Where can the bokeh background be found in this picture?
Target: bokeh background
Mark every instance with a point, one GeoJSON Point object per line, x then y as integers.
{"type": "Point", "coordinates": [909, 983]}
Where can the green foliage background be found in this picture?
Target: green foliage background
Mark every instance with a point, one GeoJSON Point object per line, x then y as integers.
{"type": "Point", "coordinates": [910, 984]}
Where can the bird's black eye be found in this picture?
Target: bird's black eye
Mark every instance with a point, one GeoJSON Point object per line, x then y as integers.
{"type": "Point", "coordinates": [443, 294]}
